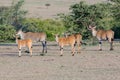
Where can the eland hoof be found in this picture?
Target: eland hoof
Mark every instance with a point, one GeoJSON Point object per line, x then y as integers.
{"type": "Point", "coordinates": [78, 52]}
{"type": "Point", "coordinates": [72, 54]}
{"type": "Point", "coordinates": [19, 56]}
{"type": "Point", "coordinates": [111, 49]}
{"type": "Point", "coordinates": [100, 49]}
{"type": "Point", "coordinates": [61, 55]}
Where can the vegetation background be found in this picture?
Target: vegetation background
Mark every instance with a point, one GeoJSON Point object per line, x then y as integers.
{"type": "Point", "coordinates": [70, 17]}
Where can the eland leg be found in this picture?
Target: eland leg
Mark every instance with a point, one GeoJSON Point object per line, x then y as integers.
{"type": "Point", "coordinates": [30, 50]}
{"type": "Point", "coordinates": [111, 44]}
{"type": "Point", "coordinates": [44, 44]}
{"type": "Point", "coordinates": [27, 51]}
{"type": "Point", "coordinates": [73, 50]}
{"type": "Point", "coordinates": [100, 45]}
{"type": "Point", "coordinates": [61, 49]}
{"type": "Point", "coordinates": [19, 52]}
{"type": "Point", "coordinates": [79, 45]}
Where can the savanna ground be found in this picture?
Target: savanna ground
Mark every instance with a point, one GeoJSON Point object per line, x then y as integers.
{"type": "Point", "coordinates": [90, 64]}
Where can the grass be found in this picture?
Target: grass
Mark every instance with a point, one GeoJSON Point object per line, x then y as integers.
{"type": "Point", "coordinates": [37, 8]}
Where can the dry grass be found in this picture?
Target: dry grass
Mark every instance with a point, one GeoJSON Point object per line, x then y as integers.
{"type": "Point", "coordinates": [37, 8]}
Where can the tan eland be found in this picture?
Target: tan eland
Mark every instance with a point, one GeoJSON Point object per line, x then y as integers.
{"type": "Point", "coordinates": [71, 40]}
{"type": "Point", "coordinates": [35, 37]}
{"type": "Point", "coordinates": [24, 43]}
{"type": "Point", "coordinates": [102, 35]}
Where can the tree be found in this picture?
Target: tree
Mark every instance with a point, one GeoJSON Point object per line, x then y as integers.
{"type": "Point", "coordinates": [116, 9]}
{"type": "Point", "coordinates": [6, 32]}
{"type": "Point", "coordinates": [13, 14]}
{"type": "Point", "coordinates": [82, 15]}
{"type": "Point", "coordinates": [3, 12]}
{"type": "Point", "coordinates": [17, 14]}
{"type": "Point", "coordinates": [10, 18]}
{"type": "Point", "coordinates": [116, 15]}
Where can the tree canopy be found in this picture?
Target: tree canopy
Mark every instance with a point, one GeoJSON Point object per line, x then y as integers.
{"type": "Point", "coordinates": [102, 15]}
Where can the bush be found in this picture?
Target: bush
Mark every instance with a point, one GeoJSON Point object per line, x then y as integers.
{"type": "Point", "coordinates": [49, 26]}
{"type": "Point", "coordinates": [6, 33]}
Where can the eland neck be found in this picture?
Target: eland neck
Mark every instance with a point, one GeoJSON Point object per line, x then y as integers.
{"type": "Point", "coordinates": [56, 38]}
{"type": "Point", "coordinates": [21, 34]}
{"type": "Point", "coordinates": [94, 32]}
{"type": "Point", "coordinates": [16, 39]}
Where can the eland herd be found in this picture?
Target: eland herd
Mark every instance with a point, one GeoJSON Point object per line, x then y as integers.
{"type": "Point", "coordinates": [27, 39]}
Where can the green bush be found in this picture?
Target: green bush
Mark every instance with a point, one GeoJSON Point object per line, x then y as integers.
{"type": "Point", "coordinates": [6, 33]}
{"type": "Point", "coordinates": [49, 26]}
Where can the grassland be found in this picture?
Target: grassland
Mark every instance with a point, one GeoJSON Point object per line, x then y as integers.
{"type": "Point", "coordinates": [37, 8]}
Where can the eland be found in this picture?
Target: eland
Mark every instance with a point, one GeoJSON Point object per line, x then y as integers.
{"type": "Point", "coordinates": [35, 37]}
{"type": "Point", "coordinates": [102, 35]}
{"type": "Point", "coordinates": [24, 43]}
{"type": "Point", "coordinates": [63, 41]}
{"type": "Point", "coordinates": [71, 40]}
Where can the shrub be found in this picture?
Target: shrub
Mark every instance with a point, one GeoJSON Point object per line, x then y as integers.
{"type": "Point", "coordinates": [6, 33]}
{"type": "Point", "coordinates": [49, 26]}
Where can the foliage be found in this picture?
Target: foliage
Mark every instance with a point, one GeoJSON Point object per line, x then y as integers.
{"type": "Point", "coordinates": [103, 15]}
{"type": "Point", "coordinates": [3, 12]}
{"type": "Point", "coordinates": [49, 26]}
{"type": "Point", "coordinates": [116, 9]}
{"type": "Point", "coordinates": [6, 32]}
{"type": "Point", "coordinates": [82, 15]}
{"type": "Point", "coordinates": [12, 15]}
{"type": "Point", "coordinates": [17, 14]}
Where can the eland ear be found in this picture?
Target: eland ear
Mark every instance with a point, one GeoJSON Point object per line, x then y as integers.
{"type": "Point", "coordinates": [57, 35]}
{"type": "Point", "coordinates": [94, 27]}
{"type": "Point", "coordinates": [53, 34]}
{"type": "Point", "coordinates": [89, 27]}
{"type": "Point", "coordinates": [14, 35]}
{"type": "Point", "coordinates": [20, 29]}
